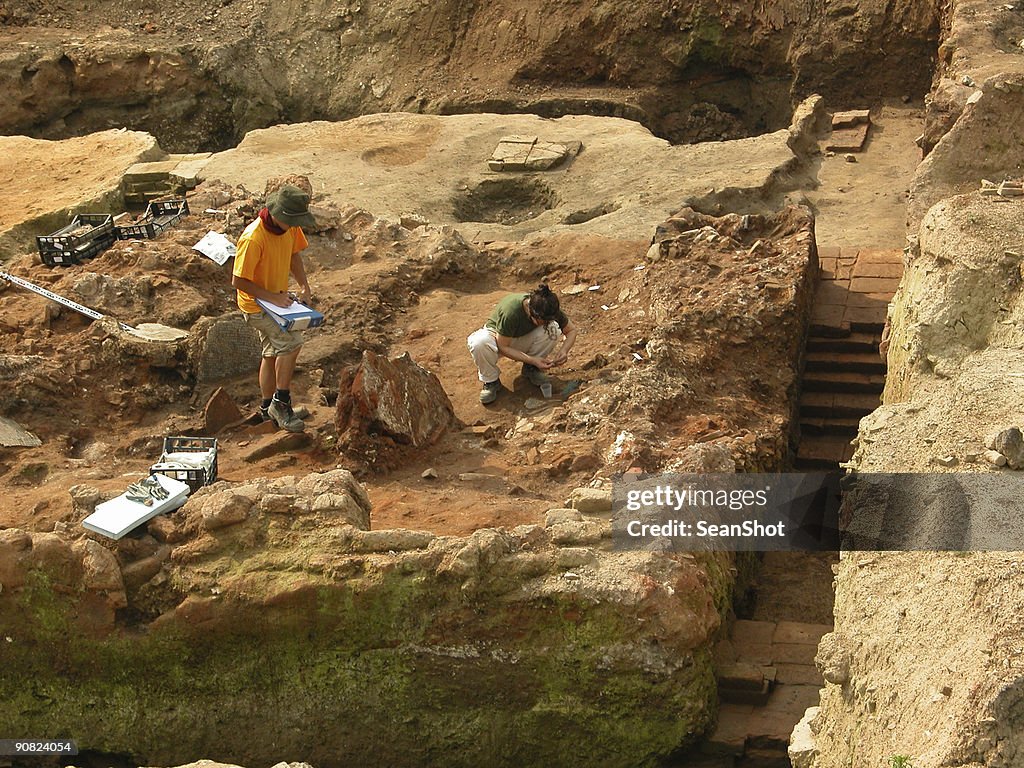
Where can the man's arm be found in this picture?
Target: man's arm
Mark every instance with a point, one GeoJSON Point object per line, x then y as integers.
{"type": "Point", "coordinates": [563, 354]}
{"type": "Point", "coordinates": [258, 291]}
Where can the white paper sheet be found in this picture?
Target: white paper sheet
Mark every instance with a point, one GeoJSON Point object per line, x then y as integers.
{"type": "Point", "coordinates": [216, 246]}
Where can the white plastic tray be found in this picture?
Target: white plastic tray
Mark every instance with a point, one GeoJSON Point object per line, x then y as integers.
{"type": "Point", "coordinates": [118, 516]}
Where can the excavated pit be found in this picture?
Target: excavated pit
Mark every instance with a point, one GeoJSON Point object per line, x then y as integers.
{"type": "Point", "coordinates": [205, 98]}
{"type": "Point", "coordinates": [505, 201]}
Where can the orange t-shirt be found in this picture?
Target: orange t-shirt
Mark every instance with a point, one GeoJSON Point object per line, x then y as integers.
{"type": "Point", "coordinates": [266, 259]}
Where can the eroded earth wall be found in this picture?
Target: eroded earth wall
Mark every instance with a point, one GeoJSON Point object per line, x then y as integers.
{"type": "Point", "coordinates": [925, 662]}
{"type": "Point", "coordinates": [197, 77]}
{"type": "Point", "coordinates": [270, 602]}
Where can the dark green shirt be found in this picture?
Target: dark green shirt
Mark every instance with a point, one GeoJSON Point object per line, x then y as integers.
{"type": "Point", "coordinates": [510, 319]}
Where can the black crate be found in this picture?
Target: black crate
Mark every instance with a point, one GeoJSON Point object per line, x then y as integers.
{"type": "Point", "coordinates": [159, 215]}
{"type": "Point", "coordinates": [196, 477]}
{"type": "Point", "coordinates": [62, 248]}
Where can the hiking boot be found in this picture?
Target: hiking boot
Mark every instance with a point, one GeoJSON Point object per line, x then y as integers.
{"type": "Point", "coordinates": [535, 375]}
{"type": "Point", "coordinates": [263, 414]}
{"type": "Point", "coordinates": [490, 391]}
{"type": "Point", "coordinates": [283, 415]}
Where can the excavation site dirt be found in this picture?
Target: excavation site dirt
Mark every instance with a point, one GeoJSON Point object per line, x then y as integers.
{"type": "Point", "coordinates": [685, 179]}
{"type": "Point", "coordinates": [671, 354]}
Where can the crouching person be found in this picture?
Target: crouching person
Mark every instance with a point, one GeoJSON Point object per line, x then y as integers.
{"type": "Point", "coordinates": [525, 327]}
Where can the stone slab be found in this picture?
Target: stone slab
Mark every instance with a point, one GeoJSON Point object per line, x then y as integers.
{"type": "Point", "coordinates": [770, 726]}
{"type": "Point", "coordinates": [829, 252]}
{"type": "Point", "coordinates": [757, 697]}
{"type": "Point", "coordinates": [798, 674]}
{"type": "Point", "coordinates": [730, 734]}
{"type": "Point", "coordinates": [861, 318]}
{"type": "Point", "coordinates": [869, 300]}
{"type": "Point", "coordinates": [829, 320]}
{"type": "Point", "coordinates": [799, 632]}
{"type": "Point", "coordinates": [848, 139]}
{"type": "Point", "coordinates": [754, 653]}
{"type": "Point", "coordinates": [746, 632]}
{"type": "Point", "coordinates": [850, 117]}
{"type": "Point", "coordinates": [149, 171]}
{"type": "Point", "coordinates": [874, 284]}
{"type": "Point", "coordinates": [885, 269]}
{"type": "Point", "coordinates": [826, 448]}
{"type": "Point", "coordinates": [832, 292]}
{"type": "Point", "coordinates": [740, 675]}
{"type": "Point", "coordinates": [765, 758]}
{"type": "Point", "coordinates": [880, 255]}
{"type": "Point", "coordinates": [792, 701]}
{"type": "Point", "coordinates": [724, 651]}
{"type": "Point", "coordinates": [189, 171]}
{"type": "Point", "coordinates": [220, 412]}
{"type": "Point", "coordinates": [800, 652]}
{"type": "Point", "coordinates": [13, 435]}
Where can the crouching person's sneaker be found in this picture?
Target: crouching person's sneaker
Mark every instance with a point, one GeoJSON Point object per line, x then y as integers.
{"type": "Point", "coordinates": [490, 391]}
{"type": "Point", "coordinates": [283, 415]}
{"type": "Point", "coordinates": [535, 375]}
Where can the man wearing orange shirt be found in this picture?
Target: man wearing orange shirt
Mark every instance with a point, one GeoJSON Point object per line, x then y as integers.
{"type": "Point", "coordinates": [268, 252]}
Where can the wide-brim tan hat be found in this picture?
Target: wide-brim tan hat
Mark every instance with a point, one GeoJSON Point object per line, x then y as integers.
{"type": "Point", "coordinates": [290, 205]}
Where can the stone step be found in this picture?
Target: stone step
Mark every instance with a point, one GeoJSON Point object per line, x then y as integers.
{"type": "Point", "coordinates": [857, 362]}
{"type": "Point", "coordinates": [730, 734]}
{"type": "Point", "coordinates": [800, 632]}
{"type": "Point", "coordinates": [843, 381]}
{"type": "Point", "coordinates": [829, 426]}
{"type": "Point", "coordinates": [864, 320]}
{"type": "Point", "coordinates": [838, 404]}
{"type": "Point", "coordinates": [853, 342]}
{"type": "Point", "coordinates": [753, 757]}
{"type": "Point", "coordinates": [745, 695]}
{"type": "Point", "coordinates": [770, 726]}
{"type": "Point", "coordinates": [741, 676]}
{"type": "Point", "coordinates": [798, 674]}
{"type": "Point", "coordinates": [824, 452]}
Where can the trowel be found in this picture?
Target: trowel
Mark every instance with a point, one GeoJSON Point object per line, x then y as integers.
{"type": "Point", "coordinates": [147, 331]}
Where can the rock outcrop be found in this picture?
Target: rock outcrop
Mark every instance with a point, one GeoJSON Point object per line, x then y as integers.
{"type": "Point", "coordinates": [362, 647]}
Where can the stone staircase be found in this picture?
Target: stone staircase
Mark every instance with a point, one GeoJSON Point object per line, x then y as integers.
{"type": "Point", "coordinates": [766, 681]}
{"type": "Point", "coordinates": [844, 375]}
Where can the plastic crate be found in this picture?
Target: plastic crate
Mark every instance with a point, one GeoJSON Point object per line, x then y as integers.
{"type": "Point", "coordinates": [69, 246]}
{"type": "Point", "coordinates": [179, 467]}
{"type": "Point", "coordinates": [159, 215]}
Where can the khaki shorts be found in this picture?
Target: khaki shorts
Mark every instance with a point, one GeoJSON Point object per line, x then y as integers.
{"type": "Point", "coordinates": [276, 340]}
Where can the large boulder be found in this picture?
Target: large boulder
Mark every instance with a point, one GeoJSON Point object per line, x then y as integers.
{"type": "Point", "coordinates": [386, 404]}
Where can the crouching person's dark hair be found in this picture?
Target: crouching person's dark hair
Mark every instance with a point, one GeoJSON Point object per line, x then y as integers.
{"type": "Point", "coordinates": [544, 304]}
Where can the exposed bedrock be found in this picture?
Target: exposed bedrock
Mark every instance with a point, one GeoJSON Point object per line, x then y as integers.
{"type": "Point", "coordinates": [270, 601]}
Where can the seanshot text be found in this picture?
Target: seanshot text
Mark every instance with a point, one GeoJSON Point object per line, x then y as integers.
{"type": "Point", "coordinates": [703, 529]}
